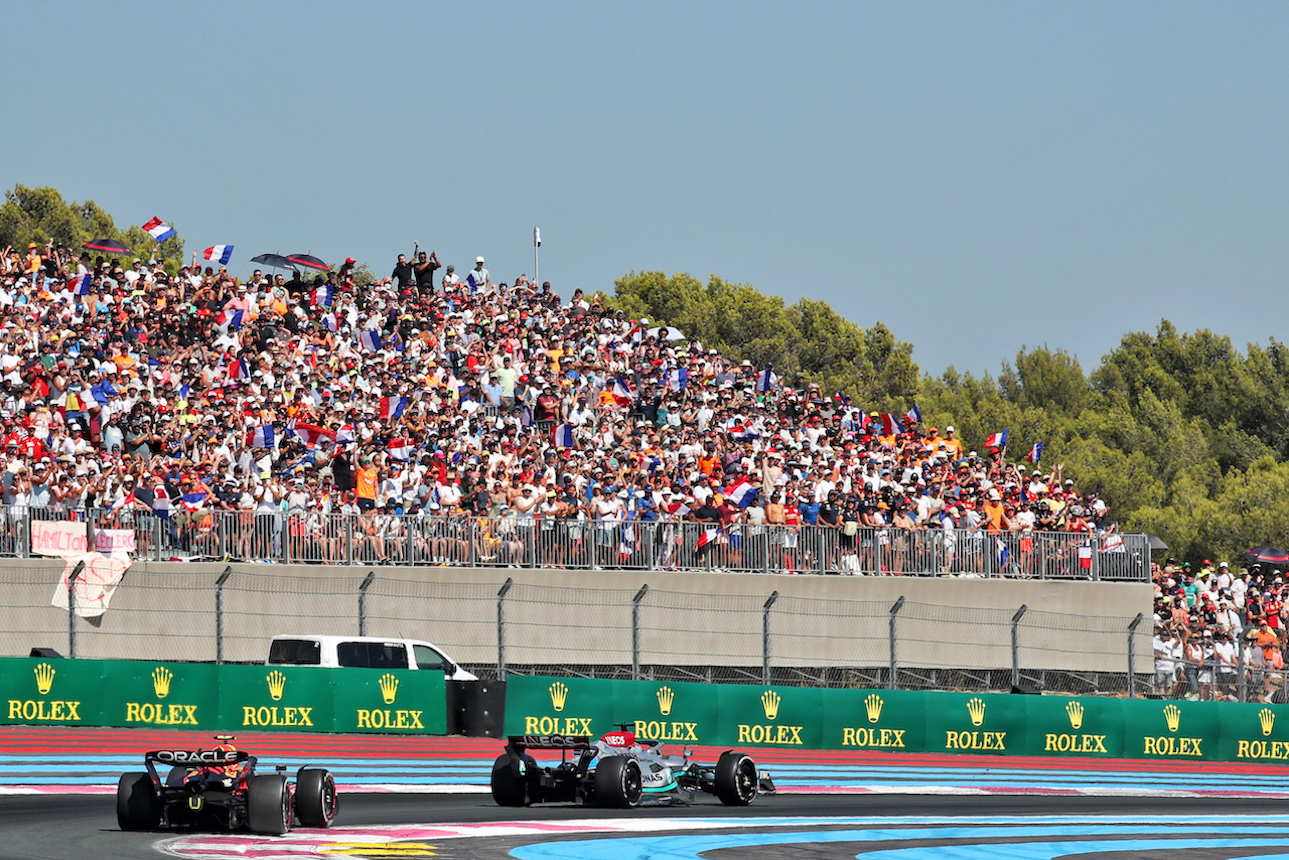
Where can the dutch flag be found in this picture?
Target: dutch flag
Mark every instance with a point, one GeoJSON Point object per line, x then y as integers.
{"type": "Point", "coordinates": [1035, 453]}
{"type": "Point", "coordinates": [159, 230]}
{"type": "Point", "coordinates": [742, 492]}
{"type": "Point", "coordinates": [79, 285]}
{"type": "Point", "coordinates": [369, 340]}
{"type": "Point", "coordinates": [219, 254]}
{"type": "Point", "coordinates": [997, 440]}
{"type": "Point", "coordinates": [261, 437]}
{"type": "Point", "coordinates": [678, 379]}
{"type": "Point", "coordinates": [391, 407]}
{"type": "Point", "coordinates": [345, 435]}
{"type": "Point", "coordinates": [562, 436]}
{"type": "Point", "coordinates": [194, 501]}
{"type": "Point", "coordinates": [399, 449]}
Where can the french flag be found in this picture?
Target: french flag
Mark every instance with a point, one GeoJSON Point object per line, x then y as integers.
{"type": "Point", "coordinates": [562, 436]}
{"type": "Point", "coordinates": [913, 416]}
{"type": "Point", "coordinates": [399, 449]}
{"type": "Point", "coordinates": [708, 536]}
{"type": "Point", "coordinates": [678, 509]}
{"type": "Point", "coordinates": [311, 434]}
{"type": "Point", "coordinates": [678, 379]}
{"type": "Point", "coordinates": [1003, 553]}
{"type": "Point", "coordinates": [158, 229]}
{"type": "Point", "coordinates": [323, 296]}
{"type": "Point", "coordinates": [329, 320]}
{"type": "Point", "coordinates": [767, 379]}
{"type": "Point", "coordinates": [261, 437]}
{"type": "Point", "coordinates": [742, 492]}
{"type": "Point", "coordinates": [345, 435]}
{"type": "Point", "coordinates": [219, 254]}
{"type": "Point", "coordinates": [229, 319]}
{"type": "Point", "coordinates": [622, 392]}
{"type": "Point", "coordinates": [369, 340]}
{"type": "Point", "coordinates": [79, 285]}
{"type": "Point", "coordinates": [194, 501]}
{"type": "Point", "coordinates": [997, 440]}
{"type": "Point", "coordinates": [391, 407]}
{"type": "Point", "coordinates": [160, 502]}
{"type": "Point", "coordinates": [891, 425]}
{"type": "Point", "coordinates": [237, 369]}
{"type": "Point", "coordinates": [123, 502]}
{"type": "Point", "coordinates": [1035, 453]}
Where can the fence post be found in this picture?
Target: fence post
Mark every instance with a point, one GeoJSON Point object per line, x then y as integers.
{"type": "Point", "coordinates": [157, 524]}
{"type": "Point", "coordinates": [219, 613]}
{"type": "Point", "coordinates": [765, 637]}
{"type": "Point", "coordinates": [1016, 644]}
{"type": "Point", "coordinates": [71, 608]}
{"type": "Point", "coordinates": [501, 627]}
{"type": "Point", "coordinates": [1243, 680]}
{"type": "Point", "coordinates": [635, 631]}
{"type": "Point", "coordinates": [1094, 542]}
{"type": "Point", "coordinates": [349, 539]}
{"type": "Point", "coordinates": [895, 610]}
{"type": "Point", "coordinates": [1132, 655]}
{"type": "Point", "coordinates": [362, 601]}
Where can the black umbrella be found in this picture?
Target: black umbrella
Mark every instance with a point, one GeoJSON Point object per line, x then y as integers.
{"type": "Point", "coordinates": [1266, 555]}
{"type": "Point", "coordinates": [108, 246]}
{"type": "Point", "coordinates": [1156, 542]}
{"type": "Point", "coordinates": [276, 261]}
{"type": "Point", "coordinates": [310, 261]}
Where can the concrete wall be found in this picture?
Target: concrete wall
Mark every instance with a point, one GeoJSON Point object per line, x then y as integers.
{"type": "Point", "coordinates": [555, 617]}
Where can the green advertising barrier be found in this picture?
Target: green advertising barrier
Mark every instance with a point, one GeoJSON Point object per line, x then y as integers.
{"type": "Point", "coordinates": [221, 698]}
{"type": "Point", "coordinates": [900, 721]}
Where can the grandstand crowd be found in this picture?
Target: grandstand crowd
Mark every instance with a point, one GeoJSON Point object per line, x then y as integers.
{"type": "Point", "coordinates": [435, 392]}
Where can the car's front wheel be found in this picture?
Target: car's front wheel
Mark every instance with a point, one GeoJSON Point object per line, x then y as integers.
{"type": "Point", "coordinates": [735, 779]}
{"type": "Point", "coordinates": [268, 804]}
{"type": "Point", "coordinates": [315, 797]}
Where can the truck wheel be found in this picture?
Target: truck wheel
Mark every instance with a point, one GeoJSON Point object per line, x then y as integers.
{"type": "Point", "coordinates": [618, 782]}
{"type": "Point", "coordinates": [509, 782]}
{"type": "Point", "coordinates": [136, 802]}
{"type": "Point", "coordinates": [735, 782]}
{"type": "Point", "coordinates": [315, 797]}
{"type": "Point", "coordinates": [268, 805]}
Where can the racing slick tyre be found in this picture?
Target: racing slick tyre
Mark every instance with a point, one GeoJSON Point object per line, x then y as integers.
{"type": "Point", "coordinates": [735, 780]}
{"type": "Point", "coordinates": [136, 802]}
{"type": "Point", "coordinates": [509, 780]}
{"type": "Point", "coordinates": [315, 797]}
{"type": "Point", "coordinates": [268, 805]}
{"type": "Point", "coordinates": [618, 782]}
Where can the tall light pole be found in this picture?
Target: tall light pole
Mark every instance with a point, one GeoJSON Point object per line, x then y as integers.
{"type": "Point", "coordinates": [537, 244]}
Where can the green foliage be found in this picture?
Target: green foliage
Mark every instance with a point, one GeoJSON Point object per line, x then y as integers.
{"type": "Point", "coordinates": [40, 215]}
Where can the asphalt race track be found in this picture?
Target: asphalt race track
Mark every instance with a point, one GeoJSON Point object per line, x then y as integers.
{"type": "Point", "coordinates": [800, 827]}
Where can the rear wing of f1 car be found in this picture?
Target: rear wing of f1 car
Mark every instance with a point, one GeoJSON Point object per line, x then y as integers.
{"type": "Point", "coordinates": [549, 742]}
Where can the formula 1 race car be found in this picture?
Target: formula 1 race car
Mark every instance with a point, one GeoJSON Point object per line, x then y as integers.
{"type": "Point", "coordinates": [221, 789]}
{"type": "Point", "coordinates": [618, 771]}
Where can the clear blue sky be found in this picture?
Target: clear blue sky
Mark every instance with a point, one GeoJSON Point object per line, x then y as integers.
{"type": "Point", "coordinates": [978, 176]}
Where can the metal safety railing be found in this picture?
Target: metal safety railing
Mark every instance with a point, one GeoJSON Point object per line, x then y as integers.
{"type": "Point", "coordinates": [279, 537]}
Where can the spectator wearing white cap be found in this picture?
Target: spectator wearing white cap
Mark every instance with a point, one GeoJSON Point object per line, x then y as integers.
{"type": "Point", "coordinates": [478, 279]}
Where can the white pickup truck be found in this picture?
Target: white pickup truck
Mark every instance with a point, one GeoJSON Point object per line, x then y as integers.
{"type": "Point", "coordinates": [364, 652]}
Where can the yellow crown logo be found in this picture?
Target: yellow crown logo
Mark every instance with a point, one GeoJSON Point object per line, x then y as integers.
{"type": "Point", "coordinates": [1173, 716]}
{"type": "Point", "coordinates": [770, 701]}
{"type": "Point", "coordinates": [1075, 712]}
{"type": "Point", "coordinates": [277, 684]}
{"type": "Point", "coordinates": [161, 678]}
{"type": "Point", "coordinates": [388, 687]}
{"type": "Point", "coordinates": [45, 678]}
{"type": "Point", "coordinates": [665, 699]}
{"type": "Point", "coordinates": [559, 695]}
{"type": "Point", "coordinates": [873, 706]}
{"type": "Point", "coordinates": [976, 708]}
{"type": "Point", "coordinates": [1268, 720]}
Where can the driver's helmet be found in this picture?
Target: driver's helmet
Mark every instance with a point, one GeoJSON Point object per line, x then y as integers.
{"type": "Point", "coordinates": [229, 770]}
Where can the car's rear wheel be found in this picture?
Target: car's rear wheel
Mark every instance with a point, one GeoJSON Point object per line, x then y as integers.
{"type": "Point", "coordinates": [509, 781]}
{"type": "Point", "coordinates": [136, 802]}
{"type": "Point", "coordinates": [735, 780]}
{"type": "Point", "coordinates": [268, 804]}
{"type": "Point", "coordinates": [315, 798]}
{"type": "Point", "coordinates": [618, 782]}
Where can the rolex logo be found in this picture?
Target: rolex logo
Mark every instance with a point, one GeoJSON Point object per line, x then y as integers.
{"type": "Point", "coordinates": [388, 688]}
{"type": "Point", "coordinates": [45, 678]}
{"type": "Point", "coordinates": [770, 701]}
{"type": "Point", "coordinates": [665, 698]}
{"type": "Point", "coordinates": [976, 708]}
{"type": "Point", "coordinates": [161, 678]}
{"type": "Point", "coordinates": [277, 684]}
{"type": "Point", "coordinates": [559, 695]}
{"type": "Point", "coordinates": [1173, 716]}
{"type": "Point", "coordinates": [873, 707]}
{"type": "Point", "coordinates": [1075, 712]}
{"type": "Point", "coordinates": [1268, 720]}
